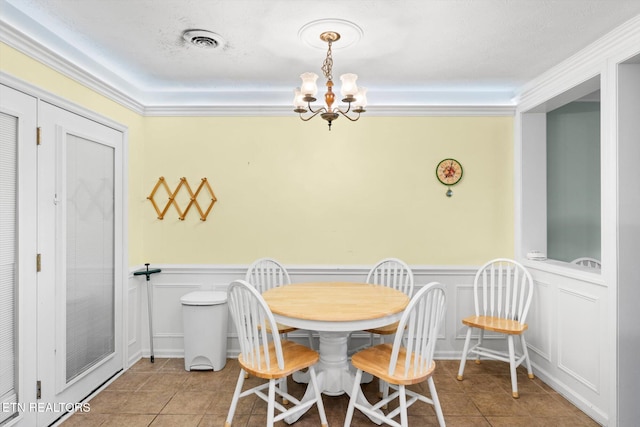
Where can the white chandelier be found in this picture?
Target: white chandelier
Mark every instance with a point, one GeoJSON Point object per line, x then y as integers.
{"type": "Point", "coordinates": [356, 98]}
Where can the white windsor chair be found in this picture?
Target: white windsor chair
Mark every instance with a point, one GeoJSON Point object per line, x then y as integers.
{"type": "Point", "coordinates": [264, 355]}
{"type": "Point", "coordinates": [392, 273]}
{"type": "Point", "coordinates": [400, 365]}
{"type": "Point", "coordinates": [502, 291]}
{"type": "Point", "coordinates": [587, 262]}
{"type": "Point", "coordinates": [267, 273]}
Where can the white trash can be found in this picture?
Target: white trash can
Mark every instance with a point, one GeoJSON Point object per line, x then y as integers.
{"type": "Point", "coordinates": [204, 315]}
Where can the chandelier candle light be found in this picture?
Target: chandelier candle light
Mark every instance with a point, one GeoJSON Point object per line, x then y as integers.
{"type": "Point", "coordinates": [355, 97]}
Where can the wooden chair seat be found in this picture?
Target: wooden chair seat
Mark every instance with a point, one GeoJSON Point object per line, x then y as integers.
{"type": "Point", "coordinates": [283, 329]}
{"type": "Point", "coordinates": [496, 324]}
{"type": "Point", "coordinates": [296, 357]}
{"type": "Point", "coordinates": [375, 360]}
{"type": "Point", "coordinates": [384, 330]}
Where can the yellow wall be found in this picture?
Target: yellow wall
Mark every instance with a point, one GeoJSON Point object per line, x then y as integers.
{"type": "Point", "coordinates": [304, 195]}
{"type": "Point", "coordinates": [363, 191]}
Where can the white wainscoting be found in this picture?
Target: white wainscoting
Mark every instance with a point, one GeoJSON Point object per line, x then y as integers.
{"type": "Point", "coordinates": [177, 280]}
{"type": "Point", "coordinates": [540, 321]}
{"type": "Point", "coordinates": [134, 346]}
{"type": "Point", "coordinates": [566, 335]}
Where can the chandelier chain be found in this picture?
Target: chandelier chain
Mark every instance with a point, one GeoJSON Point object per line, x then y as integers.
{"type": "Point", "coordinates": [327, 65]}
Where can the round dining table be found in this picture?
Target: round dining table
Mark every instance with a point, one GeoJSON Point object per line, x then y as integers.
{"type": "Point", "coordinates": [334, 310]}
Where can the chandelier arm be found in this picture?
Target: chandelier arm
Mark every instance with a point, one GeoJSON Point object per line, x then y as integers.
{"type": "Point", "coordinates": [344, 113]}
{"type": "Point", "coordinates": [315, 113]}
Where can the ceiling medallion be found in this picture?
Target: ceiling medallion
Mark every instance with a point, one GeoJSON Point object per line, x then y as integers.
{"type": "Point", "coordinates": [350, 33]}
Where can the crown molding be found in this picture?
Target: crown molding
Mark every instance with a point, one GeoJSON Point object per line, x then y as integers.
{"type": "Point", "coordinates": [580, 67]}
{"type": "Point", "coordinates": [442, 110]}
{"type": "Point", "coordinates": [241, 103]}
{"type": "Point", "coordinates": [372, 111]}
{"type": "Point", "coordinates": [28, 46]}
{"type": "Point", "coordinates": [44, 95]}
{"type": "Point", "coordinates": [624, 41]}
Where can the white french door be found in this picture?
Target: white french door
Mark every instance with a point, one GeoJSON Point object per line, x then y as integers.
{"type": "Point", "coordinates": [60, 327]}
{"type": "Point", "coordinates": [17, 255]}
{"type": "Point", "coordinates": [80, 239]}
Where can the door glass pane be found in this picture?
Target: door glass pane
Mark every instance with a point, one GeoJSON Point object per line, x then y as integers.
{"type": "Point", "coordinates": [90, 253]}
{"type": "Point", "coordinates": [8, 261]}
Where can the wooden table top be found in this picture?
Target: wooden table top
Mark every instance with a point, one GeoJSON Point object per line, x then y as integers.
{"type": "Point", "coordinates": [335, 301]}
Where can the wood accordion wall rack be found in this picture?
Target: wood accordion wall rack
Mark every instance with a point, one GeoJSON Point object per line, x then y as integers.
{"type": "Point", "coordinates": [193, 198]}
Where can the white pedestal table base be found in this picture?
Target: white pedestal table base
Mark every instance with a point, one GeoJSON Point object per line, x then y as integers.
{"type": "Point", "coordinates": [335, 376]}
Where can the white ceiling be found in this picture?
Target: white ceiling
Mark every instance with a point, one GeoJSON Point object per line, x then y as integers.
{"type": "Point", "coordinates": [426, 52]}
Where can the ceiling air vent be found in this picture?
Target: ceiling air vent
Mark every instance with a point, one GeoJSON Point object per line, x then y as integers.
{"type": "Point", "coordinates": [204, 39]}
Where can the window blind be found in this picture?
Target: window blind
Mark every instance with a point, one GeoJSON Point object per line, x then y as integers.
{"type": "Point", "coordinates": [90, 281]}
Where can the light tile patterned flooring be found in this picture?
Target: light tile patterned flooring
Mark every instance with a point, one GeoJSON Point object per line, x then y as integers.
{"type": "Point", "coordinates": [164, 394]}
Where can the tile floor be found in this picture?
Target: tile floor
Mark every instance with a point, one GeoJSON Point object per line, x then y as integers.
{"type": "Point", "coordinates": [164, 394]}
